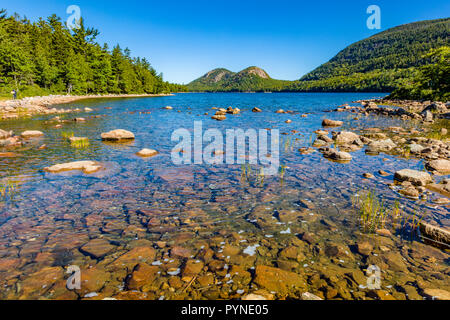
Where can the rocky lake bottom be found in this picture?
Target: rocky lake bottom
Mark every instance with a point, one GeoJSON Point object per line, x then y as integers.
{"type": "Point", "coordinates": [144, 228]}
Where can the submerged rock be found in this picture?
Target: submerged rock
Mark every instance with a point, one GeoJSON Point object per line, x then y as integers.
{"type": "Point", "coordinates": [434, 235]}
{"type": "Point", "coordinates": [278, 280]}
{"type": "Point", "coordinates": [85, 166]}
{"type": "Point", "coordinates": [118, 134]}
{"type": "Point", "coordinates": [97, 248]}
{"type": "Point", "coordinates": [437, 294]}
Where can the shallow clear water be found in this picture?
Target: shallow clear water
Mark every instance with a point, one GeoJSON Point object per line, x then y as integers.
{"type": "Point", "coordinates": [135, 202]}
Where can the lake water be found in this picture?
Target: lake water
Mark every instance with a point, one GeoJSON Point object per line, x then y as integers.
{"type": "Point", "coordinates": [200, 231]}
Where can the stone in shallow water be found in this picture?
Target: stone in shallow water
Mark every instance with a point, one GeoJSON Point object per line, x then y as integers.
{"type": "Point", "coordinates": [336, 155]}
{"type": "Point", "coordinates": [142, 275]}
{"type": "Point", "coordinates": [171, 175]}
{"type": "Point", "coordinates": [118, 134]}
{"type": "Point", "coordinates": [437, 294]}
{"type": "Point", "coordinates": [31, 134]}
{"type": "Point", "coordinates": [418, 178]}
{"type": "Point", "coordinates": [442, 166]}
{"type": "Point", "coordinates": [147, 153]}
{"type": "Point", "coordinates": [331, 123]}
{"type": "Point", "coordinates": [277, 280]}
{"type": "Point", "coordinates": [85, 166]}
{"type": "Point", "coordinates": [135, 256]}
{"type": "Point", "coordinates": [97, 248]}
{"type": "Point", "coordinates": [310, 296]}
{"type": "Point", "coordinates": [438, 235]}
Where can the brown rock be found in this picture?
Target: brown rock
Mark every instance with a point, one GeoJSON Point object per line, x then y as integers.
{"type": "Point", "coordinates": [331, 123]}
{"type": "Point", "coordinates": [277, 280]}
{"type": "Point", "coordinates": [143, 274]}
{"type": "Point", "coordinates": [97, 248]}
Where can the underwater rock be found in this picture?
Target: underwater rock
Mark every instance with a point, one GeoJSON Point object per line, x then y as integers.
{"type": "Point", "coordinates": [278, 280]}
{"type": "Point", "coordinates": [85, 166]}
{"type": "Point", "coordinates": [97, 248]}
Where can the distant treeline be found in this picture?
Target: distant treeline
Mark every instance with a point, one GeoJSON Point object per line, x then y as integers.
{"type": "Point", "coordinates": [45, 57]}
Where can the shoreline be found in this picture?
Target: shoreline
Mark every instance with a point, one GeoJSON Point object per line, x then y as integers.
{"type": "Point", "coordinates": [29, 106]}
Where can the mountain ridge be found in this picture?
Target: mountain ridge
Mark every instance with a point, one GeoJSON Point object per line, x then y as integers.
{"type": "Point", "coordinates": [380, 63]}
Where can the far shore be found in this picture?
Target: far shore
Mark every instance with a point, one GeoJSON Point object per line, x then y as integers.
{"type": "Point", "coordinates": [11, 109]}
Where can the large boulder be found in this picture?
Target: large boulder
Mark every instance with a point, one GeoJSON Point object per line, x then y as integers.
{"type": "Point", "coordinates": [418, 178]}
{"type": "Point", "coordinates": [118, 134]}
{"type": "Point", "coordinates": [85, 166]}
{"type": "Point", "coordinates": [442, 166]}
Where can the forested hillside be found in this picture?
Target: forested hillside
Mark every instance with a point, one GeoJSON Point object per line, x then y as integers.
{"type": "Point", "coordinates": [44, 57]}
{"type": "Point", "coordinates": [382, 62]}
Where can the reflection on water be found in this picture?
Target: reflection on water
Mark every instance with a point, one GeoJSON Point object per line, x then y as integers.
{"type": "Point", "coordinates": [146, 229]}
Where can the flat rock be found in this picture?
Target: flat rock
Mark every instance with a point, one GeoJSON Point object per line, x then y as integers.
{"type": "Point", "coordinates": [147, 153]}
{"type": "Point", "coordinates": [278, 280]}
{"type": "Point", "coordinates": [418, 178]}
{"type": "Point", "coordinates": [438, 236]}
{"type": "Point", "coordinates": [442, 166]}
{"type": "Point", "coordinates": [331, 123]}
{"type": "Point", "coordinates": [85, 166]}
{"type": "Point", "coordinates": [437, 294]}
{"type": "Point", "coordinates": [31, 134]}
{"type": "Point", "coordinates": [118, 134]}
{"type": "Point", "coordinates": [97, 248]}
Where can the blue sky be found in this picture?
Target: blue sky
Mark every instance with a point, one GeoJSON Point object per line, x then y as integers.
{"type": "Point", "coordinates": [185, 39]}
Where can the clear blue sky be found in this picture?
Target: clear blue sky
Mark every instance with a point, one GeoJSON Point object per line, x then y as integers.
{"type": "Point", "coordinates": [185, 39]}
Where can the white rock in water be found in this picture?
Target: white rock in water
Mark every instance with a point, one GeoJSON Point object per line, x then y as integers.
{"type": "Point", "coordinates": [147, 153]}
{"type": "Point", "coordinates": [254, 297]}
{"type": "Point", "coordinates": [88, 109]}
{"type": "Point", "coordinates": [118, 134]}
{"type": "Point", "coordinates": [310, 296]}
{"type": "Point", "coordinates": [85, 166]}
{"type": "Point", "coordinates": [251, 250]}
{"type": "Point", "coordinates": [31, 134]}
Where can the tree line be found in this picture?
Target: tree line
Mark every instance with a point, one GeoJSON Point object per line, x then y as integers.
{"type": "Point", "coordinates": [45, 57]}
